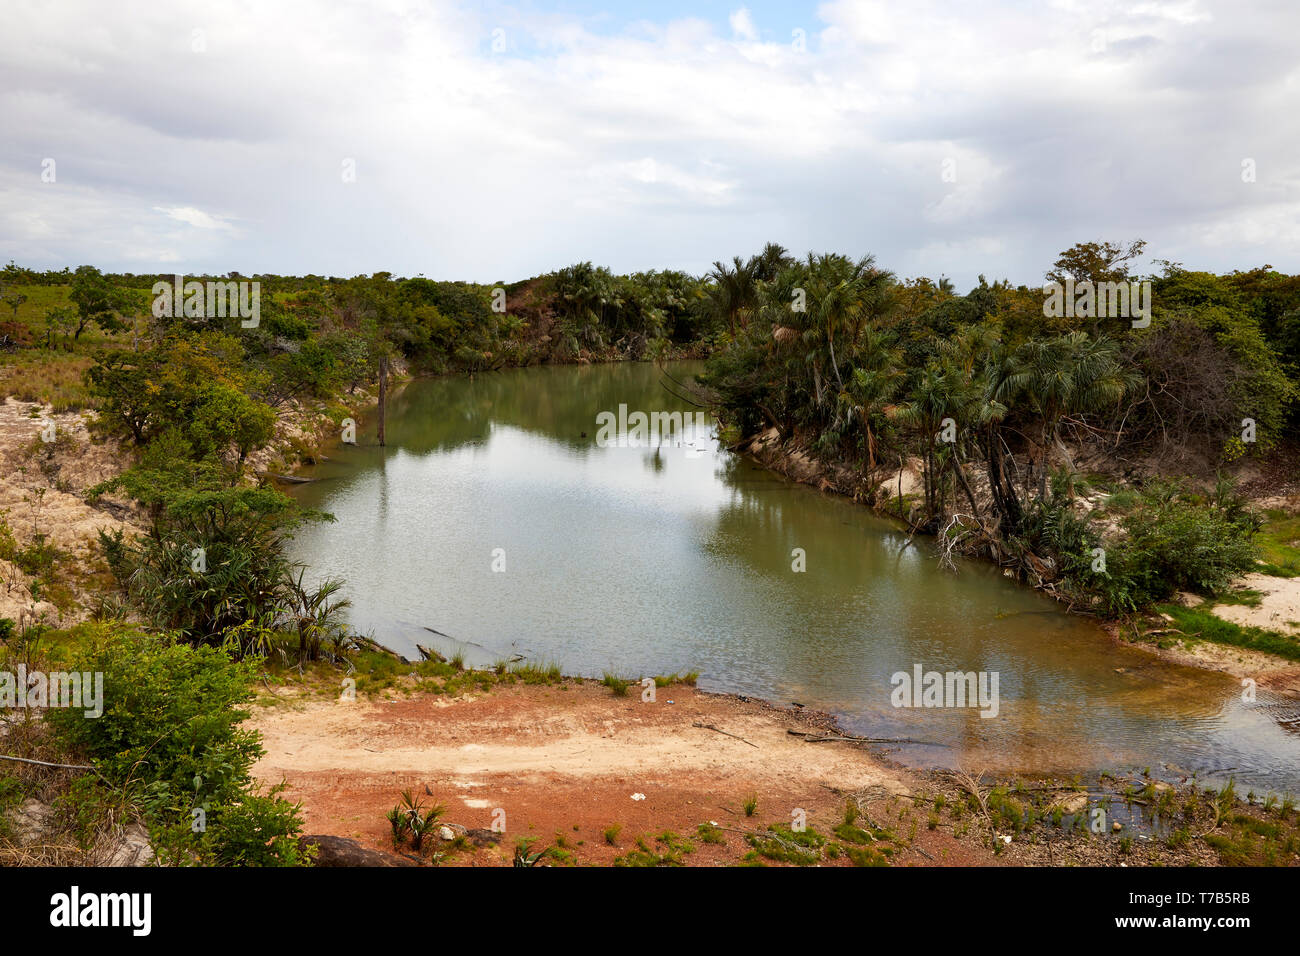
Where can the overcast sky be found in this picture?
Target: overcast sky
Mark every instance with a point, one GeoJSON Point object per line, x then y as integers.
{"type": "Point", "coordinates": [498, 141]}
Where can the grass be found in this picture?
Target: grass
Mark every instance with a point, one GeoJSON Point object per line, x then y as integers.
{"type": "Point", "coordinates": [50, 376]}
{"type": "Point", "coordinates": [709, 833]}
{"type": "Point", "coordinates": [531, 673]}
{"type": "Point", "coordinates": [1202, 625]}
{"type": "Point", "coordinates": [1279, 544]}
{"type": "Point", "coordinates": [786, 845]}
{"type": "Point", "coordinates": [669, 850]}
{"type": "Point", "coordinates": [668, 680]}
{"type": "Point", "coordinates": [1246, 597]}
{"type": "Point", "coordinates": [615, 683]}
{"type": "Point", "coordinates": [750, 805]}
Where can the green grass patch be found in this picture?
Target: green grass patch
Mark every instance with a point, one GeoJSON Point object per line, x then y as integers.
{"type": "Point", "coordinates": [800, 847]}
{"type": "Point", "coordinates": [1246, 597]}
{"type": "Point", "coordinates": [708, 833]}
{"type": "Point", "coordinates": [615, 683]}
{"type": "Point", "coordinates": [1202, 625]}
{"type": "Point", "coordinates": [669, 849]}
{"type": "Point", "coordinates": [1279, 544]}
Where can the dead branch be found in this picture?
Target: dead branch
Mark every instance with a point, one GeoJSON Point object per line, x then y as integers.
{"type": "Point", "coordinates": [724, 733]}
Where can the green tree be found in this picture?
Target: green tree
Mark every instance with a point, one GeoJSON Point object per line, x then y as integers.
{"type": "Point", "coordinates": [99, 302]}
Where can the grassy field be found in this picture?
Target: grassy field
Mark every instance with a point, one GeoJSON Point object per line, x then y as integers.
{"type": "Point", "coordinates": [52, 376]}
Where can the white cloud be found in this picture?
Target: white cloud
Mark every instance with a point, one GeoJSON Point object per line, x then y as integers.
{"type": "Point", "coordinates": [742, 25]}
{"type": "Point", "coordinates": [661, 144]}
{"type": "Point", "coordinates": [195, 217]}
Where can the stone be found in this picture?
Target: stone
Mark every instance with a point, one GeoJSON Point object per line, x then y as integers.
{"type": "Point", "coordinates": [340, 851]}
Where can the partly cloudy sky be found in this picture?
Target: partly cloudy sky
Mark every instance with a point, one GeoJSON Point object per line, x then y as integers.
{"type": "Point", "coordinates": [495, 141]}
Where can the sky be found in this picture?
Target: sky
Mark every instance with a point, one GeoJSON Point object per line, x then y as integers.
{"type": "Point", "coordinates": [497, 141]}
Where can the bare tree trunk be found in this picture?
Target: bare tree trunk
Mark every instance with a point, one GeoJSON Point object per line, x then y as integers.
{"type": "Point", "coordinates": [383, 396]}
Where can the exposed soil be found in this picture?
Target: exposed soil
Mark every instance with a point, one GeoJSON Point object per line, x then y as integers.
{"type": "Point", "coordinates": [1278, 608]}
{"type": "Point", "coordinates": [42, 494]}
{"type": "Point", "coordinates": [565, 762]}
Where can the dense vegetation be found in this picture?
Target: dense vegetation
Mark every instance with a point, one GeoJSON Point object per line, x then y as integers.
{"type": "Point", "coordinates": [989, 402]}
{"type": "Point", "coordinates": [207, 598]}
{"type": "Point", "coordinates": [992, 400]}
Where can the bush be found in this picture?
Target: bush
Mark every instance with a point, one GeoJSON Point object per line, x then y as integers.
{"type": "Point", "coordinates": [1175, 542]}
{"type": "Point", "coordinates": [170, 737]}
{"type": "Point", "coordinates": [171, 712]}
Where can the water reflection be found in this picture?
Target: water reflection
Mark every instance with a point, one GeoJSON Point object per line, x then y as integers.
{"type": "Point", "coordinates": [649, 560]}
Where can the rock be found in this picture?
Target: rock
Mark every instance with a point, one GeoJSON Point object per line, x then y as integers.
{"type": "Point", "coordinates": [446, 833]}
{"type": "Point", "coordinates": [1071, 803]}
{"type": "Point", "coordinates": [340, 851]}
{"type": "Point", "coordinates": [484, 837]}
{"type": "Point", "coordinates": [29, 820]}
{"type": "Point", "coordinates": [131, 848]}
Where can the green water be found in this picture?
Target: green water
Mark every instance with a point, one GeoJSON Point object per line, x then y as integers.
{"type": "Point", "coordinates": [654, 560]}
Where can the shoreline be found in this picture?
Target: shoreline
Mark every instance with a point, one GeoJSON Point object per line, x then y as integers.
{"type": "Point", "coordinates": [593, 778]}
{"type": "Point", "coordinates": [1270, 670]}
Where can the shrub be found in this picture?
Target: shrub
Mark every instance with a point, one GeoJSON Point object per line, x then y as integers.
{"type": "Point", "coordinates": [1174, 542]}
{"type": "Point", "coordinates": [170, 737]}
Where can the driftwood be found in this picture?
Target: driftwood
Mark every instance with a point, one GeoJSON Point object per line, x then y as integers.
{"type": "Point", "coordinates": [58, 766]}
{"type": "Point", "coordinates": [45, 763]}
{"type": "Point", "coordinates": [724, 733]}
{"type": "Point", "coordinates": [287, 479]}
{"type": "Point", "coordinates": [852, 738]}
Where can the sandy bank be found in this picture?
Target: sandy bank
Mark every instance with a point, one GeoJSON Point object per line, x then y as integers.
{"type": "Point", "coordinates": [566, 762]}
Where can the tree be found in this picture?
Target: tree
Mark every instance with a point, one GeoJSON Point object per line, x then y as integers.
{"type": "Point", "coordinates": [733, 295]}
{"type": "Point", "coordinates": [189, 387]}
{"type": "Point", "coordinates": [98, 301]}
{"type": "Point", "coordinates": [1096, 261]}
{"type": "Point", "coordinates": [1063, 375]}
{"type": "Point", "coordinates": [384, 317]}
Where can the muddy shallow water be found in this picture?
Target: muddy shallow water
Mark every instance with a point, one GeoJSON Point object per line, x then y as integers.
{"type": "Point", "coordinates": [494, 517]}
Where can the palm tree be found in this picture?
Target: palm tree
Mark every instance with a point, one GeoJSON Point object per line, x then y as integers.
{"type": "Point", "coordinates": [842, 297]}
{"type": "Point", "coordinates": [734, 294]}
{"type": "Point", "coordinates": [767, 264]}
{"type": "Point", "coordinates": [936, 395]}
{"type": "Point", "coordinates": [1067, 374]}
{"type": "Point", "coordinates": [313, 612]}
{"type": "Point", "coordinates": [877, 377]}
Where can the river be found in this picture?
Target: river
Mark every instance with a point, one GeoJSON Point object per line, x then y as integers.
{"type": "Point", "coordinates": [494, 517]}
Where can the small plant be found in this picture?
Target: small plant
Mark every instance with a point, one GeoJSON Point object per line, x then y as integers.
{"type": "Point", "coordinates": [524, 855]}
{"type": "Point", "coordinates": [710, 833]}
{"type": "Point", "coordinates": [397, 820]}
{"type": "Point", "coordinates": [617, 684]}
{"type": "Point", "coordinates": [750, 805]}
{"type": "Point", "coordinates": [417, 821]}
{"type": "Point", "coordinates": [612, 832]}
